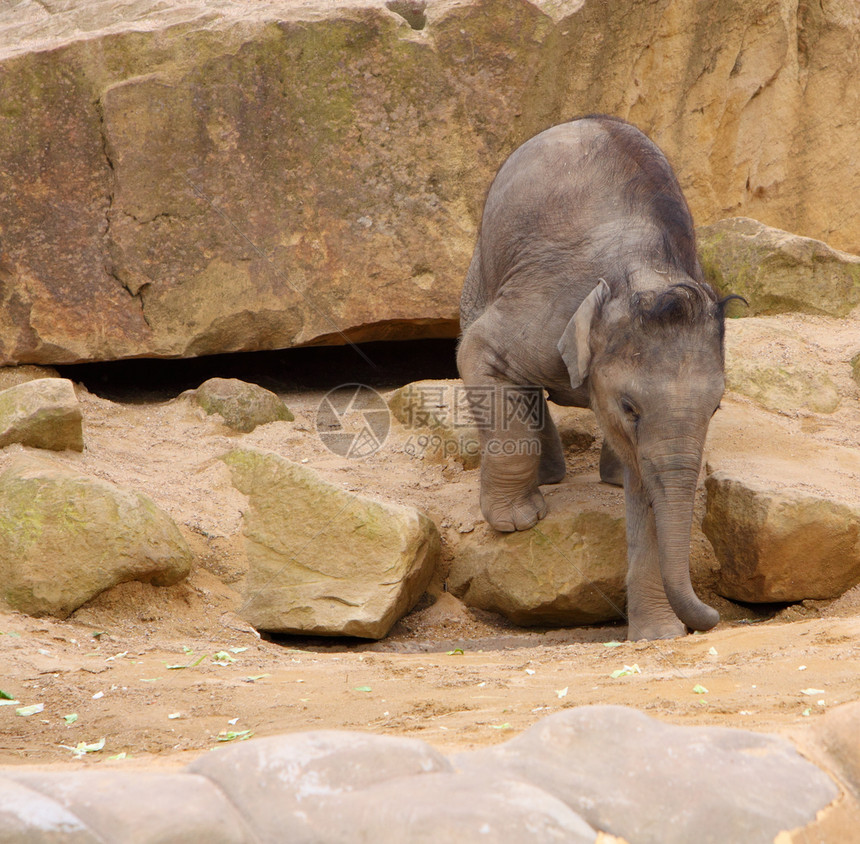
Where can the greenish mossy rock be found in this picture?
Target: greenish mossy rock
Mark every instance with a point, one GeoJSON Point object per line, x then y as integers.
{"type": "Point", "coordinates": [778, 272]}
{"type": "Point", "coordinates": [779, 545]}
{"type": "Point", "coordinates": [325, 561]}
{"type": "Point", "coordinates": [43, 413]}
{"type": "Point", "coordinates": [66, 537]}
{"type": "Point", "coordinates": [776, 368]}
{"type": "Point", "coordinates": [568, 569]}
{"type": "Point", "coordinates": [242, 406]}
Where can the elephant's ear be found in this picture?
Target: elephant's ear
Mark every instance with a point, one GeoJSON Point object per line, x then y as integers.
{"type": "Point", "coordinates": [573, 345]}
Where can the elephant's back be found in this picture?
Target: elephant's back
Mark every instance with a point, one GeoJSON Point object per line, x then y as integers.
{"type": "Point", "coordinates": [574, 200]}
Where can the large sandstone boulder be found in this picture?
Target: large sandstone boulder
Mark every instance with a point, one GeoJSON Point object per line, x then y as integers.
{"type": "Point", "coordinates": [241, 405]}
{"type": "Point", "coordinates": [777, 369]}
{"type": "Point", "coordinates": [65, 537]}
{"type": "Point", "coordinates": [779, 545]}
{"type": "Point", "coordinates": [568, 569]}
{"type": "Point", "coordinates": [186, 179]}
{"type": "Point", "coordinates": [778, 272]}
{"type": "Point", "coordinates": [325, 561]}
{"type": "Point", "coordinates": [43, 413]}
{"type": "Point", "coordinates": [655, 783]}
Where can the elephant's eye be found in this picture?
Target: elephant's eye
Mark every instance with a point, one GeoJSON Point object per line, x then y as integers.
{"type": "Point", "coordinates": [630, 409]}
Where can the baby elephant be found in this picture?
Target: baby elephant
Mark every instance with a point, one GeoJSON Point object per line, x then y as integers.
{"type": "Point", "coordinates": [585, 283]}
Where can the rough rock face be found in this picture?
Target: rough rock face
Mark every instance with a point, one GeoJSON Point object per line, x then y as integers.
{"type": "Point", "coordinates": [241, 405]}
{"type": "Point", "coordinates": [43, 413]}
{"type": "Point", "coordinates": [66, 537]}
{"type": "Point", "coordinates": [436, 416]}
{"type": "Point", "coordinates": [780, 545]}
{"type": "Point", "coordinates": [224, 176]}
{"type": "Point", "coordinates": [593, 758]}
{"type": "Point", "coordinates": [323, 560]}
{"type": "Point", "coordinates": [568, 569]}
{"type": "Point", "coordinates": [778, 272]}
{"type": "Point", "coordinates": [771, 365]}
{"type": "Point", "coordinates": [571, 775]}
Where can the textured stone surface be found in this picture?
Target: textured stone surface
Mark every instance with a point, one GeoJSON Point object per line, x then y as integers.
{"type": "Point", "coordinates": [65, 537]}
{"type": "Point", "coordinates": [776, 368]}
{"type": "Point", "coordinates": [779, 545]}
{"type": "Point", "coordinates": [286, 786]}
{"type": "Point", "coordinates": [241, 405]}
{"type": "Point", "coordinates": [568, 569]}
{"type": "Point", "coordinates": [218, 176]}
{"type": "Point", "coordinates": [838, 735]}
{"type": "Point", "coordinates": [437, 420]}
{"type": "Point", "coordinates": [646, 781]}
{"type": "Point", "coordinates": [323, 560]}
{"type": "Point", "coordinates": [29, 817]}
{"type": "Point", "coordinates": [778, 272]}
{"type": "Point", "coordinates": [43, 413]}
{"type": "Point", "coordinates": [581, 775]}
{"type": "Point", "coordinates": [136, 808]}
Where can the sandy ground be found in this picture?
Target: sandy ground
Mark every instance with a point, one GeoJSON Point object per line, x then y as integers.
{"type": "Point", "coordinates": [164, 674]}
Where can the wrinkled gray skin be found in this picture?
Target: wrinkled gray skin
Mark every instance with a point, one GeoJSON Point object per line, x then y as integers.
{"type": "Point", "coordinates": [573, 287]}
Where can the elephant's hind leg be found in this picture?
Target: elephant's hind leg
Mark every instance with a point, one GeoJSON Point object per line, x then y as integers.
{"type": "Point", "coordinates": [552, 467]}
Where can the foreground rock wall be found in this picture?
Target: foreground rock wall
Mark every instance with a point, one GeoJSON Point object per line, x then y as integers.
{"type": "Point", "coordinates": [224, 176]}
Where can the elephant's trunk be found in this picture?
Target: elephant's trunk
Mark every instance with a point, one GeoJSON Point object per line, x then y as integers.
{"type": "Point", "coordinates": [671, 483]}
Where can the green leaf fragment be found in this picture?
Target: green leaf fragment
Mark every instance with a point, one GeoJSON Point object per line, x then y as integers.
{"type": "Point", "coordinates": [363, 689]}
{"type": "Point", "coordinates": [699, 690]}
{"type": "Point", "coordinates": [254, 677]}
{"type": "Point", "coordinates": [117, 756]}
{"type": "Point", "coordinates": [223, 658]}
{"type": "Point", "coordinates": [234, 735]}
{"type": "Point", "coordinates": [455, 651]}
{"type": "Point", "coordinates": [82, 748]}
{"type": "Point", "coordinates": [70, 718]}
{"type": "Point", "coordinates": [33, 709]}
{"type": "Point", "coordinates": [237, 650]}
{"type": "Point", "coordinates": [5, 695]}
{"type": "Point", "coordinates": [505, 726]}
{"type": "Point", "coordinates": [626, 671]}
{"type": "Point", "coordinates": [612, 644]}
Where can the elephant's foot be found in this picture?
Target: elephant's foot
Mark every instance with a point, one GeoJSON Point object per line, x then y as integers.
{"type": "Point", "coordinates": [509, 514]}
{"type": "Point", "coordinates": [651, 628]}
{"type": "Point", "coordinates": [611, 467]}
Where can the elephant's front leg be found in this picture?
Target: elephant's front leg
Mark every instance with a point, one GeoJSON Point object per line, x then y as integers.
{"type": "Point", "coordinates": [648, 612]}
{"type": "Point", "coordinates": [510, 459]}
{"type": "Point", "coordinates": [508, 419]}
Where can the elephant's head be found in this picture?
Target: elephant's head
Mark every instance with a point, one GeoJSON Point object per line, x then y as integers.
{"type": "Point", "coordinates": [654, 363]}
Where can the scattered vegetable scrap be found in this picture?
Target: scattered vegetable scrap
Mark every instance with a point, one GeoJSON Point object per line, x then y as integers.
{"type": "Point", "coordinates": [626, 671]}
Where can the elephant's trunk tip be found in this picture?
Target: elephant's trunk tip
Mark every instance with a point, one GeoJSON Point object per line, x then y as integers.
{"type": "Point", "coordinates": [693, 612]}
